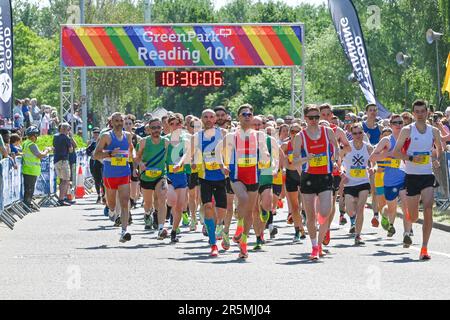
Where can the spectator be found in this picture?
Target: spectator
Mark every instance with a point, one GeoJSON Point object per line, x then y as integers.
{"type": "Point", "coordinates": [54, 122]}
{"type": "Point", "coordinates": [18, 110]}
{"type": "Point", "coordinates": [35, 113]}
{"type": "Point", "coordinates": [17, 123]}
{"type": "Point", "coordinates": [63, 146]}
{"type": "Point", "coordinates": [96, 166]}
{"type": "Point", "coordinates": [407, 118]}
{"type": "Point", "coordinates": [45, 121]}
{"type": "Point", "coordinates": [31, 164]}
{"type": "Point", "coordinates": [26, 112]}
{"type": "Point", "coordinates": [14, 143]}
{"type": "Point", "coordinates": [6, 138]}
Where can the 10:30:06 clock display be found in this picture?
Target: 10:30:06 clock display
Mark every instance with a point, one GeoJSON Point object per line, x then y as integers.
{"type": "Point", "coordinates": [189, 78]}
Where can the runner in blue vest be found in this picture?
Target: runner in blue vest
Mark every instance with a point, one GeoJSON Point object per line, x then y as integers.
{"type": "Point", "coordinates": [114, 148]}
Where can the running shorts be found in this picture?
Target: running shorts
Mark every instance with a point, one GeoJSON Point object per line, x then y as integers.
{"type": "Point", "coordinates": [315, 183]}
{"type": "Point", "coordinates": [292, 180]}
{"type": "Point", "coordinates": [178, 181]}
{"type": "Point", "coordinates": [217, 188]}
{"type": "Point", "coordinates": [355, 190]}
{"type": "Point", "coordinates": [391, 193]}
{"type": "Point", "coordinates": [264, 187]}
{"type": "Point", "coordinates": [151, 185]}
{"type": "Point", "coordinates": [415, 183]}
{"type": "Point", "coordinates": [277, 189]}
{"type": "Point", "coordinates": [192, 180]}
{"type": "Point", "coordinates": [116, 182]}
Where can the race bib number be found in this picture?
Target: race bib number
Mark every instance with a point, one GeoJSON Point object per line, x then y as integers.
{"type": "Point", "coordinates": [358, 172]}
{"type": "Point", "coordinates": [421, 158]}
{"type": "Point", "coordinates": [153, 173]}
{"type": "Point", "coordinates": [181, 169]}
{"type": "Point", "coordinates": [247, 162]}
{"type": "Point", "coordinates": [264, 164]}
{"type": "Point", "coordinates": [118, 161]}
{"type": "Point", "coordinates": [210, 161]}
{"type": "Point", "coordinates": [319, 160]}
{"type": "Point", "coordinates": [395, 163]}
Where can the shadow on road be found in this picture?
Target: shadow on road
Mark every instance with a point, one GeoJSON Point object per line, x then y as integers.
{"type": "Point", "coordinates": [402, 260]}
{"type": "Point", "coordinates": [385, 253]}
{"type": "Point", "coordinates": [299, 258]}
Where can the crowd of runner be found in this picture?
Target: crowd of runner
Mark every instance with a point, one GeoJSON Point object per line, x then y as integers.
{"type": "Point", "coordinates": [205, 171]}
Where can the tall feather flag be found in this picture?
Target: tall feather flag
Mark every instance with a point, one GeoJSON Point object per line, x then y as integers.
{"type": "Point", "coordinates": [446, 86]}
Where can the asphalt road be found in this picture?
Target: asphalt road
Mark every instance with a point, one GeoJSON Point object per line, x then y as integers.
{"type": "Point", "coordinates": [75, 253]}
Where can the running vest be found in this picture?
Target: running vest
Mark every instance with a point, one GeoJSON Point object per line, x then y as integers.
{"type": "Point", "coordinates": [244, 161]}
{"type": "Point", "coordinates": [394, 174]}
{"type": "Point", "coordinates": [420, 144]}
{"type": "Point", "coordinates": [374, 134]}
{"type": "Point", "coordinates": [31, 165]}
{"type": "Point", "coordinates": [210, 164]}
{"type": "Point", "coordinates": [117, 166]}
{"type": "Point", "coordinates": [336, 171]}
{"type": "Point", "coordinates": [355, 163]}
{"type": "Point", "coordinates": [265, 167]}
{"type": "Point", "coordinates": [154, 158]}
{"type": "Point", "coordinates": [321, 149]}
{"type": "Point", "coordinates": [174, 155]}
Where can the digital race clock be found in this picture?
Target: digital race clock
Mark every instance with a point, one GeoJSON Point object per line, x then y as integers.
{"type": "Point", "coordinates": [189, 78]}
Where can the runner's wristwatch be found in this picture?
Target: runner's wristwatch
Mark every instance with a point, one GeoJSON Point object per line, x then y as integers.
{"type": "Point", "coordinates": [410, 158]}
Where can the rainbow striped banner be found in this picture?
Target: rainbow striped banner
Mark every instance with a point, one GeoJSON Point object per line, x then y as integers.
{"type": "Point", "coordinates": [182, 45]}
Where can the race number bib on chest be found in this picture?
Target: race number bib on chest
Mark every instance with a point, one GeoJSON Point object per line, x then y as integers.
{"type": "Point", "coordinates": [153, 173]}
{"type": "Point", "coordinates": [245, 162]}
{"type": "Point", "coordinates": [358, 172]}
{"type": "Point", "coordinates": [118, 161]}
{"type": "Point", "coordinates": [395, 163]}
{"type": "Point", "coordinates": [421, 158]}
{"type": "Point", "coordinates": [171, 170]}
{"type": "Point", "coordinates": [210, 161]}
{"type": "Point", "coordinates": [319, 160]}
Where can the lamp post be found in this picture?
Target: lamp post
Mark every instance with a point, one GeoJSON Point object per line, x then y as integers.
{"type": "Point", "coordinates": [431, 37]}
{"type": "Point", "coordinates": [403, 60]}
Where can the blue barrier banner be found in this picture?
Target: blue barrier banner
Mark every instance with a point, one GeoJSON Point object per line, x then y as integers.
{"type": "Point", "coordinates": [43, 182]}
{"type": "Point", "coordinates": [11, 190]}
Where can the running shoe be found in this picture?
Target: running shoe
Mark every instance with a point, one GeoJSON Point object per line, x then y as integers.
{"type": "Point", "coordinates": [117, 222]}
{"type": "Point", "coordinates": [314, 254]}
{"type": "Point", "coordinates": [263, 241]}
{"type": "Point", "coordinates": [321, 252]}
{"type": "Point", "coordinates": [148, 221]}
{"type": "Point", "coordinates": [155, 220]}
{"type": "Point", "coordinates": [214, 251]}
{"type": "Point", "coordinates": [296, 238]}
{"type": "Point", "coordinates": [273, 232]}
{"type": "Point", "coordinates": [204, 231]}
{"type": "Point", "coordinates": [69, 201]}
{"type": "Point", "coordinates": [219, 232]}
{"type": "Point", "coordinates": [125, 236]}
{"type": "Point", "coordinates": [280, 204]}
{"type": "Point", "coordinates": [342, 220]}
{"type": "Point", "coordinates": [391, 231]}
{"type": "Point", "coordinates": [243, 253]}
{"type": "Point", "coordinates": [258, 246]}
{"type": "Point", "coordinates": [237, 236]}
{"type": "Point", "coordinates": [290, 220]}
{"type": "Point", "coordinates": [61, 203]}
{"type": "Point", "coordinates": [264, 216]}
{"type": "Point", "coordinates": [384, 222]}
{"type": "Point", "coordinates": [185, 218]}
{"type": "Point", "coordinates": [326, 240]}
{"type": "Point", "coordinates": [302, 234]}
{"type": "Point", "coordinates": [225, 241]}
{"type": "Point", "coordinates": [424, 254]}
{"type": "Point", "coordinates": [375, 222]}
{"type": "Point", "coordinates": [358, 241]}
{"type": "Point", "coordinates": [162, 234]}
{"type": "Point", "coordinates": [407, 241]}
{"type": "Point", "coordinates": [304, 217]}
{"type": "Point", "coordinates": [193, 225]}
{"type": "Point", "coordinates": [352, 229]}
{"type": "Point", "coordinates": [106, 212]}
{"type": "Point", "coordinates": [173, 237]}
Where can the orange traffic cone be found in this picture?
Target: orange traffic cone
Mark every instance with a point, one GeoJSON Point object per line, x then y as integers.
{"type": "Point", "coordinates": [79, 190]}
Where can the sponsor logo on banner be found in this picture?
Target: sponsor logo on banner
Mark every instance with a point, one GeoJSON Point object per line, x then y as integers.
{"type": "Point", "coordinates": [6, 59]}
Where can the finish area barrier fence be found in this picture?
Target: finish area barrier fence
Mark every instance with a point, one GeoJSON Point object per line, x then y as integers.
{"type": "Point", "coordinates": [12, 187]}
